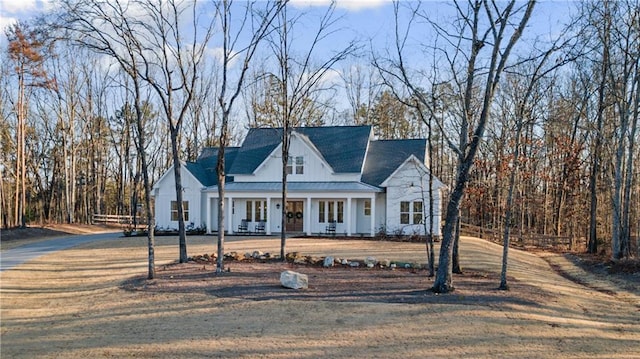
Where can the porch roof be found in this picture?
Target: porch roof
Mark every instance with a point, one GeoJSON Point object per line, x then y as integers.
{"type": "Point", "coordinates": [294, 187]}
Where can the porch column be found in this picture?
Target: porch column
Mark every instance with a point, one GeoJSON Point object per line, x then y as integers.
{"type": "Point", "coordinates": [307, 217]}
{"type": "Point", "coordinates": [208, 206]}
{"type": "Point", "coordinates": [373, 215]}
{"type": "Point", "coordinates": [229, 216]}
{"type": "Point", "coordinates": [349, 216]}
{"type": "Point", "coordinates": [267, 223]}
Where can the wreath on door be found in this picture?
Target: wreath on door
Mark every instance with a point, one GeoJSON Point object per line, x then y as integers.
{"type": "Point", "coordinates": [299, 215]}
{"type": "Point", "coordinates": [289, 215]}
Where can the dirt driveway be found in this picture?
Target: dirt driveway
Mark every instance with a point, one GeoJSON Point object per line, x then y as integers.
{"type": "Point", "coordinates": [75, 304]}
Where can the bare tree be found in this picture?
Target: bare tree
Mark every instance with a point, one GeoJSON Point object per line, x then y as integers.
{"type": "Point", "coordinates": [230, 89]}
{"type": "Point", "coordinates": [526, 95]}
{"type": "Point", "coordinates": [299, 78]}
{"type": "Point", "coordinates": [26, 50]}
{"type": "Point", "coordinates": [604, 39]}
{"type": "Point", "coordinates": [107, 29]}
{"type": "Point", "coordinates": [489, 30]}
{"type": "Point", "coordinates": [171, 69]}
{"type": "Point", "coordinates": [362, 88]}
{"type": "Point", "coordinates": [625, 86]}
{"type": "Point", "coordinates": [166, 60]}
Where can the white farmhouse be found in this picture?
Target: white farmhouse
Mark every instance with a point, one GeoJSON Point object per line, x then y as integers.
{"type": "Point", "coordinates": [339, 179]}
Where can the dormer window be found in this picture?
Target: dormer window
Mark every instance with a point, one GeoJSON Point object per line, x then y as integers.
{"type": "Point", "coordinates": [295, 165]}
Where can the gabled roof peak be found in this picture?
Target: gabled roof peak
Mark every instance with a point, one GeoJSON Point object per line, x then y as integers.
{"type": "Point", "coordinates": [343, 147]}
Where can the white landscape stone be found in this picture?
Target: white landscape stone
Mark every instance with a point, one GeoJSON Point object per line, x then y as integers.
{"type": "Point", "coordinates": [294, 280]}
{"type": "Point", "coordinates": [371, 260]}
{"type": "Point", "coordinates": [328, 262]}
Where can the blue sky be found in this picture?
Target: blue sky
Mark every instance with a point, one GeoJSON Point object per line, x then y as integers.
{"type": "Point", "coordinates": [365, 18]}
{"type": "Point", "coordinates": [370, 21]}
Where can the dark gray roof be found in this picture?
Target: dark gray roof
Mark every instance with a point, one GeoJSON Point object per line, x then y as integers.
{"type": "Point", "coordinates": [204, 169]}
{"type": "Point", "coordinates": [385, 156]}
{"type": "Point", "coordinates": [293, 187]}
{"type": "Point", "coordinates": [343, 147]}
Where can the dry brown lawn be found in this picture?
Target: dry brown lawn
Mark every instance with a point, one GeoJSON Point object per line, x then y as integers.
{"type": "Point", "coordinates": [92, 302]}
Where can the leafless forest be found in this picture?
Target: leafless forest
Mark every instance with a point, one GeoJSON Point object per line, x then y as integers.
{"type": "Point", "coordinates": [537, 133]}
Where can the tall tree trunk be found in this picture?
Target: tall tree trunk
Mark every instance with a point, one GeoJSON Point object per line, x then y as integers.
{"type": "Point", "coordinates": [626, 220]}
{"type": "Point", "coordinates": [283, 221]}
{"type": "Point", "coordinates": [456, 249]}
{"type": "Point", "coordinates": [221, 207]}
{"type": "Point", "coordinates": [430, 239]}
{"type": "Point", "coordinates": [595, 165]}
{"type": "Point", "coordinates": [220, 170]}
{"type": "Point", "coordinates": [142, 155]}
{"type": "Point", "coordinates": [178, 183]}
{"type": "Point", "coordinates": [444, 282]}
{"type": "Point", "coordinates": [467, 149]}
{"type": "Point", "coordinates": [23, 167]}
{"type": "Point", "coordinates": [20, 157]}
{"type": "Point", "coordinates": [3, 206]}
{"type": "Point", "coordinates": [508, 212]}
{"type": "Point", "coordinates": [283, 58]}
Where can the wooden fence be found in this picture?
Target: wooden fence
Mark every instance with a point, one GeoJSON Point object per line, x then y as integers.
{"type": "Point", "coordinates": [525, 240]}
{"type": "Point", "coordinates": [120, 219]}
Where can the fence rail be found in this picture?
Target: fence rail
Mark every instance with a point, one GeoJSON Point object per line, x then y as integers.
{"type": "Point", "coordinates": [124, 220]}
{"type": "Point", "coordinates": [524, 240]}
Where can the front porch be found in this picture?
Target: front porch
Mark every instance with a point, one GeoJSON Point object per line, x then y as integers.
{"type": "Point", "coordinates": [307, 213]}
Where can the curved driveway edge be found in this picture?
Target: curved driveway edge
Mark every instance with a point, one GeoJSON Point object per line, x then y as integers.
{"type": "Point", "coordinates": [11, 258]}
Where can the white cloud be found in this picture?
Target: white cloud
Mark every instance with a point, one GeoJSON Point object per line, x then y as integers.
{"type": "Point", "coordinates": [14, 6]}
{"type": "Point", "coordinates": [217, 54]}
{"type": "Point", "coordinates": [350, 5]}
{"type": "Point", "coordinates": [12, 11]}
{"type": "Point", "coordinates": [5, 22]}
{"type": "Point", "coordinates": [332, 77]}
{"type": "Point", "coordinates": [355, 5]}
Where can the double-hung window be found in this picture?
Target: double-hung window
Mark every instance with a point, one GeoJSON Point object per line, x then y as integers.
{"type": "Point", "coordinates": [405, 214]}
{"type": "Point", "coordinates": [417, 212]}
{"type": "Point", "coordinates": [331, 211]}
{"type": "Point", "coordinates": [295, 165]}
{"type": "Point", "coordinates": [367, 207]}
{"type": "Point", "coordinates": [256, 211]}
{"type": "Point", "coordinates": [411, 212]}
{"type": "Point", "coordinates": [174, 210]}
{"type": "Point", "coordinates": [321, 212]}
{"type": "Point", "coordinates": [260, 211]}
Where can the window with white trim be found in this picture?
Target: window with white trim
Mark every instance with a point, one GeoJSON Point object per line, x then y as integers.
{"type": "Point", "coordinates": [411, 212]}
{"type": "Point", "coordinates": [417, 212]}
{"type": "Point", "coordinates": [174, 210]}
{"type": "Point", "coordinates": [321, 212]}
{"type": "Point", "coordinates": [295, 165]}
{"type": "Point", "coordinates": [367, 207]}
{"type": "Point", "coordinates": [404, 212]}
{"type": "Point", "coordinates": [334, 211]}
{"type": "Point", "coordinates": [260, 211]}
{"type": "Point", "coordinates": [256, 211]}
{"type": "Point", "coordinates": [249, 211]}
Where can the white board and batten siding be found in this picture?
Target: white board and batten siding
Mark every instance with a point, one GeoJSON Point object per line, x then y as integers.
{"type": "Point", "coordinates": [410, 183]}
{"type": "Point", "coordinates": [165, 193]}
{"type": "Point", "coordinates": [316, 169]}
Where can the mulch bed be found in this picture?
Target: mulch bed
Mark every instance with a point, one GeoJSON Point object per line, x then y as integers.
{"type": "Point", "coordinates": [254, 280]}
